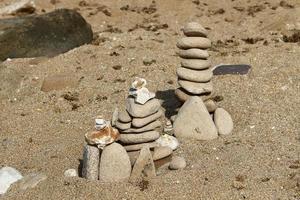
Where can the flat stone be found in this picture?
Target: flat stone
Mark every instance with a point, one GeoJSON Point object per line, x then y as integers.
{"type": "Point", "coordinates": [168, 141]}
{"type": "Point", "coordinates": [135, 147]}
{"type": "Point", "coordinates": [8, 176]}
{"type": "Point", "coordinates": [141, 111]}
{"type": "Point", "coordinates": [193, 121]}
{"type": "Point", "coordinates": [161, 152]}
{"type": "Point", "coordinates": [91, 157]}
{"type": "Point", "coordinates": [59, 82]}
{"type": "Point", "coordinates": [140, 122]}
{"type": "Point", "coordinates": [197, 64]}
{"type": "Point", "coordinates": [201, 76]}
{"type": "Point", "coordinates": [194, 42]}
{"type": "Point", "coordinates": [240, 69]}
{"type": "Point", "coordinates": [137, 138]}
{"type": "Point", "coordinates": [144, 166]}
{"type": "Point", "coordinates": [183, 95]}
{"type": "Point", "coordinates": [43, 35]}
{"type": "Point", "coordinates": [148, 127]}
{"type": "Point", "coordinates": [31, 180]}
{"type": "Point", "coordinates": [123, 126]}
{"type": "Point", "coordinates": [115, 164]}
{"type": "Point", "coordinates": [124, 116]}
{"type": "Point", "coordinates": [193, 53]}
{"type": "Point", "coordinates": [177, 163]}
{"type": "Point", "coordinates": [196, 88]}
{"type": "Point", "coordinates": [194, 29]}
{"type": "Point", "coordinates": [223, 121]}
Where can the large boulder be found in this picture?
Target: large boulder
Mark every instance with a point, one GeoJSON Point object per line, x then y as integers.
{"type": "Point", "coordinates": [194, 121]}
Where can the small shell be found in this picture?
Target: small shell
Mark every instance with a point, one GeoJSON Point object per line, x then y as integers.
{"type": "Point", "coordinates": [100, 124]}
{"type": "Point", "coordinates": [139, 83]}
{"type": "Point", "coordinates": [102, 137]}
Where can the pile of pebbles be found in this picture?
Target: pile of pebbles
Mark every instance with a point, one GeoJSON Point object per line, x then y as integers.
{"type": "Point", "coordinates": [195, 72]}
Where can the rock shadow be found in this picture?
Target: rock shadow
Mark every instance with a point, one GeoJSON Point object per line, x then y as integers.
{"type": "Point", "coordinates": [170, 101]}
{"type": "Point", "coordinates": [80, 166]}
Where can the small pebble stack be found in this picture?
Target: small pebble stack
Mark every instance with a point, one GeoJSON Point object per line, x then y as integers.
{"type": "Point", "coordinates": [195, 73]}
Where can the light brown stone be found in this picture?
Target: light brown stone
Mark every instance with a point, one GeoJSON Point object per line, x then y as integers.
{"type": "Point", "coordinates": [193, 53]}
{"type": "Point", "coordinates": [136, 138]}
{"type": "Point", "coordinates": [140, 122]}
{"type": "Point", "coordinates": [148, 127]}
{"type": "Point", "coordinates": [194, 42]}
{"type": "Point", "coordinates": [196, 88]}
{"type": "Point", "coordinates": [196, 64]}
{"type": "Point", "coordinates": [194, 29]}
{"type": "Point", "coordinates": [135, 147]}
{"type": "Point", "coordinates": [201, 76]}
{"type": "Point", "coordinates": [59, 82]}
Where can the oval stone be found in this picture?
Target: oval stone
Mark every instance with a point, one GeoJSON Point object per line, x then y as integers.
{"type": "Point", "coordinates": [137, 138]}
{"type": "Point", "coordinates": [193, 53]}
{"type": "Point", "coordinates": [139, 110]}
{"type": "Point", "coordinates": [123, 126]}
{"type": "Point", "coordinates": [194, 42]}
{"type": "Point", "coordinates": [196, 88]}
{"type": "Point", "coordinates": [149, 127]}
{"type": "Point", "coordinates": [223, 121]}
{"type": "Point", "coordinates": [124, 117]}
{"type": "Point", "coordinates": [115, 164]}
{"type": "Point", "coordinates": [195, 63]}
{"type": "Point", "coordinates": [183, 95]}
{"type": "Point", "coordinates": [201, 76]}
{"type": "Point", "coordinates": [140, 122]}
{"type": "Point", "coordinates": [194, 29]}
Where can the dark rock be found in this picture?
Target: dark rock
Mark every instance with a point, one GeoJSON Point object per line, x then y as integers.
{"type": "Point", "coordinates": [232, 69]}
{"type": "Point", "coordinates": [43, 35]}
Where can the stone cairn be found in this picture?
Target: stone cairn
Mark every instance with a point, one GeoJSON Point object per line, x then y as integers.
{"type": "Point", "coordinates": [139, 123]}
{"type": "Point", "coordinates": [199, 117]}
{"type": "Point", "coordinates": [195, 74]}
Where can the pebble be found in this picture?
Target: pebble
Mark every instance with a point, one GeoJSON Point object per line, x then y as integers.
{"type": "Point", "coordinates": [193, 53]}
{"type": "Point", "coordinates": [194, 42]}
{"type": "Point", "coordinates": [194, 29]}
{"type": "Point", "coordinates": [123, 126]}
{"type": "Point", "coordinates": [59, 82]}
{"type": "Point", "coordinates": [31, 180]}
{"type": "Point", "coordinates": [161, 152]}
{"type": "Point", "coordinates": [177, 163]}
{"type": "Point", "coordinates": [148, 127]}
{"type": "Point", "coordinates": [139, 138]}
{"type": "Point", "coordinates": [223, 121]}
{"type": "Point", "coordinates": [194, 121]}
{"type": "Point", "coordinates": [183, 95]}
{"type": "Point", "coordinates": [196, 64]}
{"type": "Point", "coordinates": [210, 105]}
{"type": "Point", "coordinates": [8, 176]}
{"type": "Point", "coordinates": [115, 164]}
{"type": "Point", "coordinates": [91, 156]}
{"type": "Point", "coordinates": [196, 88]}
{"type": "Point", "coordinates": [144, 166]}
{"type": "Point", "coordinates": [135, 147]}
{"type": "Point", "coordinates": [124, 116]}
{"type": "Point", "coordinates": [141, 111]}
{"type": "Point", "coordinates": [71, 173]}
{"type": "Point", "coordinates": [168, 141]}
{"type": "Point", "coordinates": [140, 122]}
{"type": "Point", "coordinates": [194, 75]}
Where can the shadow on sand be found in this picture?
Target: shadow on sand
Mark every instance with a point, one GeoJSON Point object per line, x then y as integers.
{"type": "Point", "coordinates": [170, 101]}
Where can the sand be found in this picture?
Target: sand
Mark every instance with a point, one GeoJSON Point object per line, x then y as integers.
{"type": "Point", "coordinates": [44, 131]}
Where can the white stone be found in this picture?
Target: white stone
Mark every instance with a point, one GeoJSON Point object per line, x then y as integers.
{"type": "Point", "coordinates": [71, 173]}
{"type": "Point", "coordinates": [8, 176]}
{"type": "Point", "coordinates": [168, 141]}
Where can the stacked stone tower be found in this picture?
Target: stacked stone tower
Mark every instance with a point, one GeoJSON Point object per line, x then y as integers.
{"type": "Point", "coordinates": [195, 74]}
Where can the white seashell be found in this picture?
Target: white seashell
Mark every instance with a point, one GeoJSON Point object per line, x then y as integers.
{"type": "Point", "coordinates": [100, 124]}
{"type": "Point", "coordinates": [8, 176]}
{"type": "Point", "coordinates": [168, 141]}
{"type": "Point", "coordinates": [102, 137]}
{"type": "Point", "coordinates": [143, 95]}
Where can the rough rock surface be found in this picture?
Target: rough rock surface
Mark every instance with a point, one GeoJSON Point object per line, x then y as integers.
{"type": "Point", "coordinates": [90, 167]}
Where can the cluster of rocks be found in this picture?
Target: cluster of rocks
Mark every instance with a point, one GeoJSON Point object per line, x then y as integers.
{"type": "Point", "coordinates": [199, 117]}
{"type": "Point", "coordinates": [195, 72]}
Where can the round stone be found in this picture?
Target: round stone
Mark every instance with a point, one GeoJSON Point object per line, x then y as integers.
{"type": "Point", "coordinates": [161, 152]}
{"type": "Point", "coordinates": [123, 126]}
{"type": "Point", "coordinates": [140, 122]}
{"type": "Point", "coordinates": [115, 164]}
{"type": "Point", "coordinates": [124, 117]}
{"type": "Point", "coordinates": [193, 53]}
{"type": "Point", "coordinates": [141, 111]}
{"type": "Point", "coordinates": [135, 138]}
{"type": "Point", "coordinates": [194, 42]}
{"type": "Point", "coordinates": [195, 63]}
{"type": "Point", "coordinates": [183, 95]}
{"type": "Point", "coordinates": [196, 88]}
{"type": "Point", "coordinates": [177, 163]}
{"type": "Point", "coordinates": [201, 76]}
{"type": "Point", "coordinates": [223, 121]}
{"type": "Point", "coordinates": [194, 29]}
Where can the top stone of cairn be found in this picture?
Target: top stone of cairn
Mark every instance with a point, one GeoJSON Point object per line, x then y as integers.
{"type": "Point", "coordinates": [194, 29]}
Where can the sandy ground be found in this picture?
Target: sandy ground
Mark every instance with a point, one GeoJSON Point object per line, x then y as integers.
{"type": "Point", "coordinates": [44, 132]}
